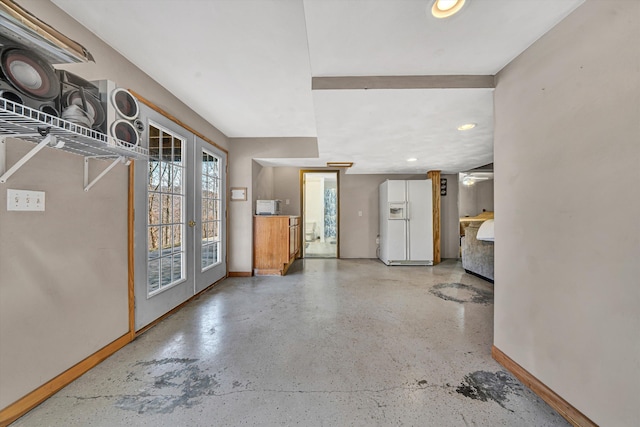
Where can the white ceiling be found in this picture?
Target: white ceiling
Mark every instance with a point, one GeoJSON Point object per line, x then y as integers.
{"type": "Point", "coordinates": [246, 66]}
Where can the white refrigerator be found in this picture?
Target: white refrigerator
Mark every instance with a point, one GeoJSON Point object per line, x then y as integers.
{"type": "Point", "coordinates": [406, 222]}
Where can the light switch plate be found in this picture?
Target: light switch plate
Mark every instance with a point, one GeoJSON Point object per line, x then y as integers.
{"type": "Point", "coordinates": [25, 200]}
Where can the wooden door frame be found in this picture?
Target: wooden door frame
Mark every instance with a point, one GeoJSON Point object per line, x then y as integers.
{"type": "Point", "coordinates": [302, 216]}
{"type": "Point", "coordinates": [132, 332]}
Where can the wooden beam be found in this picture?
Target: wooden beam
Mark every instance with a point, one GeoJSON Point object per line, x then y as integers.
{"type": "Point", "coordinates": [434, 176]}
{"type": "Point", "coordinates": [130, 250]}
{"type": "Point", "coordinates": [564, 408]}
{"type": "Point", "coordinates": [402, 82]}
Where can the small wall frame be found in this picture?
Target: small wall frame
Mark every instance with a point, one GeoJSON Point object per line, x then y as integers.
{"type": "Point", "coordinates": [238, 194]}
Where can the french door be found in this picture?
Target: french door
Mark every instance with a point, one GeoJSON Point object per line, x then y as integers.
{"type": "Point", "coordinates": [210, 206]}
{"type": "Point", "coordinates": [180, 221]}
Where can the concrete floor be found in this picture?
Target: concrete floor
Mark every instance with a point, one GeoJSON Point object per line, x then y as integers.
{"type": "Point", "coordinates": [318, 249]}
{"type": "Point", "coordinates": [333, 343]}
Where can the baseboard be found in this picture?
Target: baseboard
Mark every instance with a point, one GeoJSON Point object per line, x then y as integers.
{"type": "Point", "coordinates": [478, 275]}
{"type": "Point", "coordinates": [564, 408]}
{"type": "Point", "coordinates": [268, 272]}
{"type": "Point", "coordinates": [240, 274]}
{"type": "Point", "coordinates": [42, 393]}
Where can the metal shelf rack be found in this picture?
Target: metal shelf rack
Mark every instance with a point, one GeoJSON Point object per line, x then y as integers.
{"type": "Point", "coordinates": [19, 121]}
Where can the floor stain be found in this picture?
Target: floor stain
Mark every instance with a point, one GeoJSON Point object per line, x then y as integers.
{"type": "Point", "coordinates": [166, 361]}
{"type": "Point", "coordinates": [461, 293]}
{"type": "Point", "coordinates": [181, 385]}
{"type": "Point", "coordinates": [485, 386]}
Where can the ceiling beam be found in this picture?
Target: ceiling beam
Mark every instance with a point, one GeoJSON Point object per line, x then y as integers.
{"type": "Point", "coordinates": [403, 82]}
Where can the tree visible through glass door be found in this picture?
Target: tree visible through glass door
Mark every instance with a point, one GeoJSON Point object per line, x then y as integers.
{"type": "Point", "coordinates": [165, 222]}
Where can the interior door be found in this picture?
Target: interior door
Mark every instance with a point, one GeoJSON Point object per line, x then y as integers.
{"type": "Point", "coordinates": [320, 213]}
{"type": "Point", "coordinates": [174, 257]}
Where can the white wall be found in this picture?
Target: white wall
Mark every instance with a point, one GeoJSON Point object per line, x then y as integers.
{"type": "Point", "coordinates": [567, 277]}
{"type": "Point", "coordinates": [63, 272]}
{"type": "Point", "coordinates": [287, 187]}
{"type": "Point", "coordinates": [450, 220]}
{"type": "Point", "coordinates": [476, 198]}
{"type": "Point", "coordinates": [242, 151]}
{"type": "Point", "coordinates": [262, 188]}
{"type": "Point", "coordinates": [485, 196]}
{"type": "Point", "coordinates": [467, 200]}
{"type": "Point", "coordinates": [314, 209]}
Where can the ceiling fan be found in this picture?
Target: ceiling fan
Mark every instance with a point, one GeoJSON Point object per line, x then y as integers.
{"type": "Point", "coordinates": [471, 178]}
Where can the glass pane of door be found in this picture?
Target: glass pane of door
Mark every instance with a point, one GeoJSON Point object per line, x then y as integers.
{"type": "Point", "coordinates": [210, 207]}
{"type": "Point", "coordinates": [165, 210]}
{"type": "Point", "coordinates": [210, 199]}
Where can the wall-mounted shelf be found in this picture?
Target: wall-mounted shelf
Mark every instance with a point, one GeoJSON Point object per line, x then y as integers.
{"type": "Point", "coordinates": [18, 121]}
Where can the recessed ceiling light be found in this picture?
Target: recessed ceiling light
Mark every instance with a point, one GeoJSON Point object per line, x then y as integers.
{"type": "Point", "coordinates": [446, 8]}
{"type": "Point", "coordinates": [412, 159]}
{"type": "Point", "coordinates": [467, 126]}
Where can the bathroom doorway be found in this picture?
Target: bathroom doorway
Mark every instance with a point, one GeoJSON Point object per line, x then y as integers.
{"type": "Point", "coordinates": [320, 213]}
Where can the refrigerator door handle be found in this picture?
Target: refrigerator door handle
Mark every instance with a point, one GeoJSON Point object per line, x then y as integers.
{"type": "Point", "coordinates": [407, 239]}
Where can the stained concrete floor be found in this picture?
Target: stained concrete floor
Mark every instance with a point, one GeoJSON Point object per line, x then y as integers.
{"type": "Point", "coordinates": [334, 343]}
{"type": "Point", "coordinates": [318, 249]}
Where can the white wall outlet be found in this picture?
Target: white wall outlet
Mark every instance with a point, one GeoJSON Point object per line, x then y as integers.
{"type": "Point", "coordinates": [286, 202]}
{"type": "Point", "coordinates": [359, 213]}
{"type": "Point", "coordinates": [25, 200]}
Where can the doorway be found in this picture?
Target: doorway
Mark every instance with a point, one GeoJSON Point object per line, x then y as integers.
{"type": "Point", "coordinates": [180, 237]}
{"type": "Point", "coordinates": [320, 214]}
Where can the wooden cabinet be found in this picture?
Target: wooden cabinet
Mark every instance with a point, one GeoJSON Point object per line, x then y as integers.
{"type": "Point", "coordinates": [294, 237]}
{"type": "Point", "coordinates": [276, 243]}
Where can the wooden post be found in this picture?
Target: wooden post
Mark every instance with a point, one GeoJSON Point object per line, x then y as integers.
{"type": "Point", "coordinates": [130, 250]}
{"type": "Point", "coordinates": [434, 176]}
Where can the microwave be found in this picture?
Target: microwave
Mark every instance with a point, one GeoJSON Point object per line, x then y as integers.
{"type": "Point", "coordinates": [267, 207]}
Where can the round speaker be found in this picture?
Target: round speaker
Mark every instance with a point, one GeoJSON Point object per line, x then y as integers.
{"type": "Point", "coordinates": [30, 74]}
{"type": "Point", "coordinates": [94, 106]}
{"type": "Point", "coordinates": [125, 131]}
{"type": "Point", "coordinates": [11, 96]}
{"type": "Point", "coordinates": [139, 125]}
{"type": "Point", "coordinates": [126, 105]}
{"type": "Point", "coordinates": [50, 110]}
